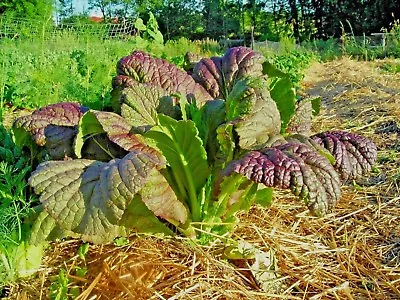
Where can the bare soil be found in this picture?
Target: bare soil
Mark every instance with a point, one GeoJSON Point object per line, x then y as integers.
{"type": "Point", "coordinates": [352, 253]}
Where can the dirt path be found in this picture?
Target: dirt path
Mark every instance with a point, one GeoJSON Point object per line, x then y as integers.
{"type": "Point", "coordinates": [356, 95]}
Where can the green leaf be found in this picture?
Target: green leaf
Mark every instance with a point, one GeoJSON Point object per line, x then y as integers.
{"type": "Point", "coordinates": [183, 149]}
{"type": "Point", "coordinates": [229, 186]}
{"type": "Point", "coordinates": [74, 291]}
{"type": "Point", "coordinates": [139, 104]}
{"type": "Point", "coordinates": [207, 119]}
{"type": "Point", "coordinates": [121, 241]}
{"type": "Point", "coordinates": [316, 105]}
{"type": "Point", "coordinates": [244, 201]}
{"type": "Point", "coordinates": [83, 250]}
{"type": "Point", "coordinates": [139, 218]}
{"type": "Point", "coordinates": [88, 125]}
{"type": "Point", "coordinates": [300, 121]}
{"type": "Point", "coordinates": [226, 141]}
{"type": "Point", "coordinates": [139, 25]}
{"type": "Point", "coordinates": [272, 71]}
{"type": "Point", "coordinates": [283, 93]}
{"type": "Point", "coordinates": [59, 287]}
{"type": "Point", "coordinates": [183, 103]}
{"type": "Point", "coordinates": [263, 196]}
{"type": "Point", "coordinates": [240, 100]}
{"type": "Point", "coordinates": [28, 259]}
{"type": "Point", "coordinates": [42, 227]}
{"type": "Point", "coordinates": [23, 138]}
{"type": "Point", "coordinates": [81, 271]}
{"type": "Point", "coordinates": [259, 126]}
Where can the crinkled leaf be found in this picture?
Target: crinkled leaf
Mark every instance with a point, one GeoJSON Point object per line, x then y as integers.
{"type": "Point", "coordinates": [304, 139]}
{"type": "Point", "coordinates": [295, 166]}
{"type": "Point", "coordinates": [219, 74]}
{"type": "Point", "coordinates": [65, 114]}
{"type": "Point", "coordinates": [45, 228]}
{"type": "Point", "coordinates": [90, 197]}
{"type": "Point", "coordinates": [258, 127]}
{"type": "Point", "coordinates": [141, 67]}
{"type": "Point", "coordinates": [300, 121]}
{"type": "Point", "coordinates": [241, 99]}
{"type": "Point", "coordinates": [354, 154]}
{"type": "Point", "coordinates": [140, 104]}
{"type": "Point", "coordinates": [59, 141]}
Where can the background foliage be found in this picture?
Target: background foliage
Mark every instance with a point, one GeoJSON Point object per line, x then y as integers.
{"type": "Point", "coordinates": [266, 19]}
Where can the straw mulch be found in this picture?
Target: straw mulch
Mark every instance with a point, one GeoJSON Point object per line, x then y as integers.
{"type": "Point", "coordinates": [352, 253]}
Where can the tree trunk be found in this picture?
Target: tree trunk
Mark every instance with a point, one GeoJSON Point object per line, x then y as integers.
{"type": "Point", "coordinates": [318, 7]}
{"type": "Point", "coordinates": [295, 19]}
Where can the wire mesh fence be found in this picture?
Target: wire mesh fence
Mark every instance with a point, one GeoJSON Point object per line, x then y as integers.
{"type": "Point", "coordinates": [21, 28]}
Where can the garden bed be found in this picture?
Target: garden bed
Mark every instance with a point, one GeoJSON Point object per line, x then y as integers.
{"type": "Point", "coordinates": [351, 253]}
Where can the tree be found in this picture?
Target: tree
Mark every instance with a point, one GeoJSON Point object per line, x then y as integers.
{"type": "Point", "coordinates": [180, 19]}
{"type": "Point", "coordinates": [214, 25]}
{"type": "Point", "coordinates": [65, 8]}
{"type": "Point", "coordinates": [28, 9]}
{"type": "Point", "coordinates": [105, 7]}
{"type": "Point", "coordinates": [124, 9]}
{"type": "Point", "coordinates": [294, 19]}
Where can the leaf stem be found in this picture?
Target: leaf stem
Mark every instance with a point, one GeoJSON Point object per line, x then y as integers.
{"type": "Point", "coordinates": [179, 183]}
{"type": "Point", "coordinates": [193, 203]}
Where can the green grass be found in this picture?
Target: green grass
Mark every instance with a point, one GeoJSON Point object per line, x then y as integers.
{"type": "Point", "coordinates": [66, 67]}
{"type": "Point", "coordinates": [392, 67]}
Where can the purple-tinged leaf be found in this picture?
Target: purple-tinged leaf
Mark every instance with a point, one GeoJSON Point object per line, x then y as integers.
{"type": "Point", "coordinates": [219, 74]}
{"type": "Point", "coordinates": [143, 68]}
{"type": "Point", "coordinates": [90, 197]}
{"type": "Point", "coordinates": [116, 129]}
{"type": "Point", "coordinates": [65, 114]}
{"type": "Point", "coordinates": [353, 153]}
{"type": "Point", "coordinates": [159, 197]}
{"type": "Point", "coordinates": [293, 166]}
